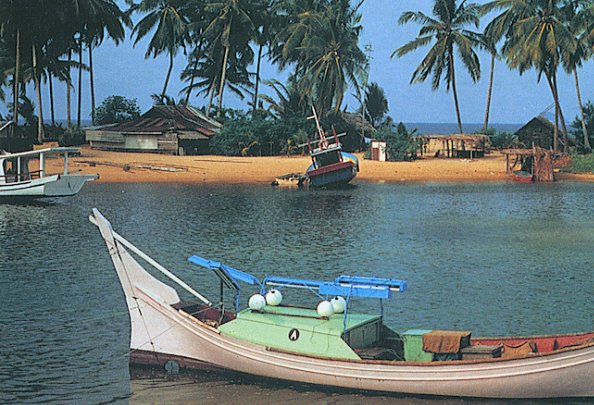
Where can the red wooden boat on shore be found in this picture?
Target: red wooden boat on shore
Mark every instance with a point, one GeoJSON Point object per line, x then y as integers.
{"type": "Point", "coordinates": [521, 176]}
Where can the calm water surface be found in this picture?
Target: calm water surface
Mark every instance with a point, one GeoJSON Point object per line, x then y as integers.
{"type": "Point", "coordinates": [491, 258]}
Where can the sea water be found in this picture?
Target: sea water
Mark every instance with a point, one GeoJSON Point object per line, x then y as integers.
{"type": "Point", "coordinates": [494, 259]}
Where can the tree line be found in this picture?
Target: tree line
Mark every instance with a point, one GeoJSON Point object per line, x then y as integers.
{"type": "Point", "coordinates": [316, 41]}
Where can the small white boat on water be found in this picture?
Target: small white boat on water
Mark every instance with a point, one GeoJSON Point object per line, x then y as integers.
{"type": "Point", "coordinates": [333, 346]}
{"type": "Point", "coordinates": [24, 175]}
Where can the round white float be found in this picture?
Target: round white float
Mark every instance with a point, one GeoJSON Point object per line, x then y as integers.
{"type": "Point", "coordinates": [274, 297]}
{"type": "Point", "coordinates": [257, 302]}
{"type": "Point", "coordinates": [325, 309]}
{"type": "Point", "coordinates": [339, 304]}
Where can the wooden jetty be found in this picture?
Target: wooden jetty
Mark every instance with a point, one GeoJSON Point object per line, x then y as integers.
{"type": "Point", "coordinates": [537, 160]}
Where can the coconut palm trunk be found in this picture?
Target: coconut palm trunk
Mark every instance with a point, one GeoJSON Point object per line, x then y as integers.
{"type": "Point", "coordinates": [587, 146]}
{"type": "Point", "coordinates": [556, 131]}
{"type": "Point", "coordinates": [255, 106]}
{"type": "Point", "coordinates": [15, 91]}
{"type": "Point", "coordinates": [50, 82]}
{"type": "Point", "coordinates": [451, 56]}
{"type": "Point", "coordinates": [38, 94]}
{"type": "Point", "coordinates": [80, 62]}
{"type": "Point", "coordinates": [92, 82]}
{"type": "Point", "coordinates": [168, 75]}
{"type": "Point", "coordinates": [223, 75]}
{"type": "Point", "coordinates": [210, 99]}
{"type": "Point", "coordinates": [489, 93]}
{"type": "Point", "coordinates": [561, 117]}
{"type": "Point", "coordinates": [68, 95]}
{"type": "Point", "coordinates": [194, 67]}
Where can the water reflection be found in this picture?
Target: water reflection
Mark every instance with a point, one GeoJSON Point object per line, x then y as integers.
{"type": "Point", "coordinates": [494, 259]}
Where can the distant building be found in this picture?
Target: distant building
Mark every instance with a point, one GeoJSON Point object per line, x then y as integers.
{"type": "Point", "coordinates": [539, 131]}
{"type": "Point", "coordinates": [177, 130]}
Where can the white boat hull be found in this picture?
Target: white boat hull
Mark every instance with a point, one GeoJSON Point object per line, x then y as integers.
{"type": "Point", "coordinates": [157, 327]}
{"type": "Point", "coordinates": [57, 185]}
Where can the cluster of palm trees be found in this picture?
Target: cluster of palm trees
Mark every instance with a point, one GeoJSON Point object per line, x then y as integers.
{"type": "Point", "coordinates": [38, 39]}
{"type": "Point", "coordinates": [544, 35]}
{"type": "Point", "coordinates": [316, 39]}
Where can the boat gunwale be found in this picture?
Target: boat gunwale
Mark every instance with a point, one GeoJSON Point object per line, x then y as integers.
{"type": "Point", "coordinates": [243, 344]}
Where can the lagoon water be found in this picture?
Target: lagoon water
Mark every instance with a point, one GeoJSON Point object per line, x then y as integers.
{"type": "Point", "coordinates": [494, 259]}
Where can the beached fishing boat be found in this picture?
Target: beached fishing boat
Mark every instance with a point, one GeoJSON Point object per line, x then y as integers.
{"type": "Point", "coordinates": [332, 345]}
{"type": "Point", "coordinates": [18, 179]}
{"type": "Point", "coordinates": [330, 165]}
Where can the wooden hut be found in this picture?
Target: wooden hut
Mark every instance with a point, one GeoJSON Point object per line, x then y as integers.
{"type": "Point", "coordinates": [177, 130]}
{"type": "Point", "coordinates": [539, 131]}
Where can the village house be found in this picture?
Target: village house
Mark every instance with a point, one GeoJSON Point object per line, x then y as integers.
{"type": "Point", "coordinates": [176, 130]}
{"type": "Point", "coordinates": [539, 131]}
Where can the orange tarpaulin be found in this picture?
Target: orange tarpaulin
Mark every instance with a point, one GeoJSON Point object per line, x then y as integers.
{"type": "Point", "coordinates": [445, 341]}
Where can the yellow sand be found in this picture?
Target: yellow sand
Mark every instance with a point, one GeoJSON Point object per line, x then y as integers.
{"type": "Point", "coordinates": [120, 167]}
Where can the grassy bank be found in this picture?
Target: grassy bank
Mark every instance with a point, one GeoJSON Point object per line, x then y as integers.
{"type": "Point", "coordinates": [580, 164]}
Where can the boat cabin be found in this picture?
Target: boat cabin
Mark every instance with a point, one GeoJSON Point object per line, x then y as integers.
{"type": "Point", "coordinates": [340, 334]}
{"type": "Point", "coordinates": [21, 167]}
{"type": "Point", "coordinates": [324, 157]}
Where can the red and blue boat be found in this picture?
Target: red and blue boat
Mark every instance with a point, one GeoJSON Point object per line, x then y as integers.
{"type": "Point", "coordinates": [331, 167]}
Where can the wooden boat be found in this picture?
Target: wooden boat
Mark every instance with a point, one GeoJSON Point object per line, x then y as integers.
{"type": "Point", "coordinates": [352, 350]}
{"type": "Point", "coordinates": [330, 165]}
{"type": "Point", "coordinates": [521, 176]}
{"type": "Point", "coordinates": [17, 180]}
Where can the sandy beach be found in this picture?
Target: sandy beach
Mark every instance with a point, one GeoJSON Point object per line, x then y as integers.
{"type": "Point", "coordinates": [119, 167]}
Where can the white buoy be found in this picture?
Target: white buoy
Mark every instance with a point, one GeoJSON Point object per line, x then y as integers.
{"type": "Point", "coordinates": [325, 309]}
{"type": "Point", "coordinates": [339, 304]}
{"type": "Point", "coordinates": [274, 298]}
{"type": "Point", "coordinates": [257, 302]}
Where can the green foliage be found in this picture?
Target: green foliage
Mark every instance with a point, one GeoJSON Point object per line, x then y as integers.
{"type": "Point", "coordinates": [577, 127]}
{"type": "Point", "coordinates": [504, 140]}
{"type": "Point", "coordinates": [580, 164]}
{"type": "Point", "coordinates": [447, 34]}
{"type": "Point", "coordinates": [245, 136]}
{"type": "Point", "coordinates": [116, 109]}
{"type": "Point", "coordinates": [376, 105]}
{"type": "Point", "coordinates": [399, 144]}
{"type": "Point", "coordinates": [352, 140]}
{"type": "Point", "coordinates": [72, 137]}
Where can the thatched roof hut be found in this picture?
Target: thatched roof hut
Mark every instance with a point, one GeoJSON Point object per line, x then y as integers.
{"type": "Point", "coordinates": [539, 131]}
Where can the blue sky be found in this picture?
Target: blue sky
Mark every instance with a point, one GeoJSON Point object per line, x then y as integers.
{"type": "Point", "coordinates": [123, 70]}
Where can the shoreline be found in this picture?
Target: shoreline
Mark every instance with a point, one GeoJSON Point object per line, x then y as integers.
{"type": "Point", "coordinates": [129, 167]}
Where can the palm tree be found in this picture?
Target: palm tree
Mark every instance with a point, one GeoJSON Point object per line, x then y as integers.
{"type": "Point", "coordinates": [537, 33]}
{"type": "Point", "coordinates": [231, 27]}
{"type": "Point", "coordinates": [447, 31]}
{"type": "Point", "coordinates": [266, 23]}
{"type": "Point", "coordinates": [100, 18]}
{"type": "Point", "coordinates": [204, 76]}
{"type": "Point", "coordinates": [375, 105]}
{"type": "Point", "coordinates": [289, 101]}
{"type": "Point", "coordinates": [321, 39]}
{"type": "Point", "coordinates": [583, 27]}
{"type": "Point", "coordinates": [171, 32]}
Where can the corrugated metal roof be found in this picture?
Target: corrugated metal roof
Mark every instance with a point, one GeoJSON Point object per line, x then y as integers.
{"type": "Point", "coordinates": [160, 119]}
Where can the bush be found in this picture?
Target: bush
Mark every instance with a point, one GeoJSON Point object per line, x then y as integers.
{"type": "Point", "coordinates": [399, 144]}
{"type": "Point", "coordinates": [72, 137]}
{"type": "Point", "coordinates": [580, 164]}
{"type": "Point", "coordinates": [115, 109]}
{"type": "Point", "coordinates": [259, 136]}
{"type": "Point", "coordinates": [504, 140]}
